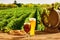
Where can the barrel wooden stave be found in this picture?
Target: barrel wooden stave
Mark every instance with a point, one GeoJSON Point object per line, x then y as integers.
{"type": "Point", "coordinates": [53, 24]}
{"type": "Point", "coordinates": [53, 19]}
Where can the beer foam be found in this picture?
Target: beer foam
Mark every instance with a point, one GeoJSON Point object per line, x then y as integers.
{"type": "Point", "coordinates": [29, 23]}
{"type": "Point", "coordinates": [32, 19]}
{"type": "Point", "coordinates": [26, 23]}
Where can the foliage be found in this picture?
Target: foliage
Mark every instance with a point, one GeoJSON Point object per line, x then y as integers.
{"type": "Point", "coordinates": [14, 17]}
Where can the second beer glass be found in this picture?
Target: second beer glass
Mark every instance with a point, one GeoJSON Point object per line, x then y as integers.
{"type": "Point", "coordinates": [33, 25]}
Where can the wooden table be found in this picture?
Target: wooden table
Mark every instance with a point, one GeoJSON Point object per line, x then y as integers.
{"type": "Point", "coordinates": [38, 36]}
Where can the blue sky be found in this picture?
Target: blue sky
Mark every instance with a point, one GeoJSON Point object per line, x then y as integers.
{"type": "Point", "coordinates": [30, 1]}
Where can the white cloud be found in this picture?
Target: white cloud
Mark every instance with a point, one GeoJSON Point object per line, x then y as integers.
{"type": "Point", "coordinates": [6, 1]}
{"type": "Point", "coordinates": [30, 1]}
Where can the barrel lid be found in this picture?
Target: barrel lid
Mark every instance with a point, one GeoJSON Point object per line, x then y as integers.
{"type": "Point", "coordinates": [53, 18]}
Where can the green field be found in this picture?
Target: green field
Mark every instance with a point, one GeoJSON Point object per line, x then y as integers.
{"type": "Point", "coordinates": [14, 18]}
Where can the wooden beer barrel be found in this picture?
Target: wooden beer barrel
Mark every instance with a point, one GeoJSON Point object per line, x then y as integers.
{"type": "Point", "coordinates": [53, 19]}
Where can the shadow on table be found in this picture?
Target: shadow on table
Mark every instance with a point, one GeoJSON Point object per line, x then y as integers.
{"type": "Point", "coordinates": [41, 33]}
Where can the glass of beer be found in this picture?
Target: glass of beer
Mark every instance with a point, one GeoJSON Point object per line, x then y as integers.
{"type": "Point", "coordinates": [27, 27]}
{"type": "Point", "coordinates": [33, 25]}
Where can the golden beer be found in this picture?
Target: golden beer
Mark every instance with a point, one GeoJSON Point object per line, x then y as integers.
{"type": "Point", "coordinates": [33, 25]}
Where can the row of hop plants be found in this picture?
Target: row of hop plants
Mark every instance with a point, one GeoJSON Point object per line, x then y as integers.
{"type": "Point", "coordinates": [14, 18]}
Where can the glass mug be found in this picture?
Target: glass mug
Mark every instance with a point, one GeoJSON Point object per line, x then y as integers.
{"type": "Point", "coordinates": [33, 25]}
{"type": "Point", "coordinates": [27, 27]}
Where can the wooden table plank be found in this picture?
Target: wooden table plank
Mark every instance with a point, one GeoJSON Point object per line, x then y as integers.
{"type": "Point", "coordinates": [38, 36]}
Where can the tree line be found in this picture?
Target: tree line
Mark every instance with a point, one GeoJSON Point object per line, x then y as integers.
{"type": "Point", "coordinates": [14, 5]}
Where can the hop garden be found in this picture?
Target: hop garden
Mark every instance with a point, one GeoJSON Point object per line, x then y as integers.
{"type": "Point", "coordinates": [13, 17]}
